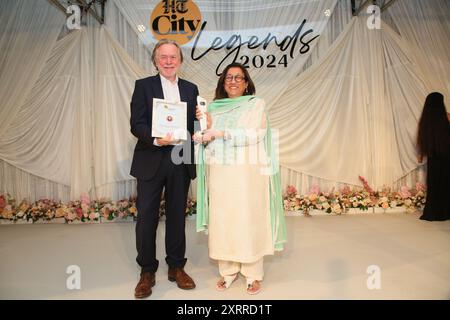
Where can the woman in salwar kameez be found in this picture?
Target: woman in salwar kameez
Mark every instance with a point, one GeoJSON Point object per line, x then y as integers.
{"type": "Point", "coordinates": [239, 200]}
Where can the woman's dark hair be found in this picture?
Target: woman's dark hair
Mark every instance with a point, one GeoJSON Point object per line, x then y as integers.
{"type": "Point", "coordinates": [220, 89]}
{"type": "Point", "coordinates": [433, 137]}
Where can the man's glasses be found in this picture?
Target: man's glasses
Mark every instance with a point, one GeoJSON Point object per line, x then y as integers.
{"type": "Point", "coordinates": [238, 78]}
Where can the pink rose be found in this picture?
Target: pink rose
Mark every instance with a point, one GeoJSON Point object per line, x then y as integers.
{"type": "Point", "coordinates": [71, 216]}
{"type": "Point", "coordinates": [85, 199]}
{"type": "Point", "coordinates": [345, 190]}
{"type": "Point", "coordinates": [291, 190]}
{"type": "Point", "coordinates": [404, 192]}
{"type": "Point", "coordinates": [314, 189]}
{"type": "Point", "coordinates": [420, 186]}
{"type": "Point", "coordinates": [2, 202]}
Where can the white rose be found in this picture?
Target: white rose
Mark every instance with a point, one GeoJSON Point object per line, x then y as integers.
{"type": "Point", "coordinates": [337, 208]}
{"type": "Point", "coordinates": [71, 215]}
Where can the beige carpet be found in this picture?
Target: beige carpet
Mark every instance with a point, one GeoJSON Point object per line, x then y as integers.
{"type": "Point", "coordinates": [327, 257]}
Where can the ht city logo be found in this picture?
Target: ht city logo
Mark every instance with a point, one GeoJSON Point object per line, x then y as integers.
{"type": "Point", "coordinates": [177, 20]}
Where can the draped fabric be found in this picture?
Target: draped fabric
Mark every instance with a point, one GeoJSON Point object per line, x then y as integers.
{"type": "Point", "coordinates": [416, 64]}
{"type": "Point", "coordinates": [425, 25]}
{"type": "Point", "coordinates": [73, 128]}
{"type": "Point", "coordinates": [355, 111]}
{"type": "Point", "coordinates": [127, 36]}
{"type": "Point", "coordinates": [23, 23]}
{"type": "Point", "coordinates": [28, 34]}
{"type": "Point", "coordinates": [347, 107]}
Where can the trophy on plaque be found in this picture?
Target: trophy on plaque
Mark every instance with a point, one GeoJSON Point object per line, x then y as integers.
{"type": "Point", "coordinates": [203, 107]}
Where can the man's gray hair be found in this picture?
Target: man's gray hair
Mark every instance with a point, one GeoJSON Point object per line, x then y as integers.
{"type": "Point", "coordinates": [159, 44]}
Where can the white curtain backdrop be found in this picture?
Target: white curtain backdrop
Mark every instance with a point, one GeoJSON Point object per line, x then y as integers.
{"type": "Point", "coordinates": [73, 128]}
{"type": "Point", "coordinates": [426, 26]}
{"type": "Point", "coordinates": [28, 32]}
{"type": "Point", "coordinates": [347, 107]}
{"type": "Point", "coordinates": [351, 116]}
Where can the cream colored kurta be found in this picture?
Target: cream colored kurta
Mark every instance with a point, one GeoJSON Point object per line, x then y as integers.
{"type": "Point", "coordinates": [239, 204]}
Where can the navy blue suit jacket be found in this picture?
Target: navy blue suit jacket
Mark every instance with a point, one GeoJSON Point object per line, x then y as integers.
{"type": "Point", "coordinates": [147, 156]}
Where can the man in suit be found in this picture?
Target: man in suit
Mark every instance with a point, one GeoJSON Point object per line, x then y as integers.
{"type": "Point", "coordinates": [157, 167]}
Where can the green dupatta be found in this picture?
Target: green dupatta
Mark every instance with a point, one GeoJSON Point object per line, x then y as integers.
{"type": "Point", "coordinates": [277, 219]}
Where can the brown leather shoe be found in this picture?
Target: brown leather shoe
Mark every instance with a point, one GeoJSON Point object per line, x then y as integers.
{"type": "Point", "coordinates": [145, 284]}
{"type": "Point", "coordinates": [182, 278]}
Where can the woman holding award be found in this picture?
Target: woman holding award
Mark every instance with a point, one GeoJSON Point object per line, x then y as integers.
{"type": "Point", "coordinates": [239, 197]}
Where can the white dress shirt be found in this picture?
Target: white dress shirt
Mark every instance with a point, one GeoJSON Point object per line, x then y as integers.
{"type": "Point", "coordinates": [170, 89]}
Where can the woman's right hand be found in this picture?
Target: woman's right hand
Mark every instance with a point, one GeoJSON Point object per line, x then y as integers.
{"type": "Point", "coordinates": [211, 134]}
{"type": "Point", "coordinates": [198, 115]}
{"type": "Point", "coordinates": [208, 136]}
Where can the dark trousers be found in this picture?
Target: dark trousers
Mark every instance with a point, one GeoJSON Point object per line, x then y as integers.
{"type": "Point", "coordinates": [175, 181]}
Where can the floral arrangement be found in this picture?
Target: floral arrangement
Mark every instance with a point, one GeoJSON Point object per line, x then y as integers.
{"type": "Point", "coordinates": [341, 201]}
{"type": "Point", "coordinates": [335, 201]}
{"type": "Point", "coordinates": [118, 210]}
{"type": "Point", "coordinates": [191, 207]}
{"type": "Point", "coordinates": [83, 210]}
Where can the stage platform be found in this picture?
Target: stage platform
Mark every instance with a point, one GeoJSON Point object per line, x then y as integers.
{"type": "Point", "coordinates": [326, 257]}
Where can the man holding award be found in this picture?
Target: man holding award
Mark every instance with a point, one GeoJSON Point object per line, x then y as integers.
{"type": "Point", "coordinates": [162, 118]}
